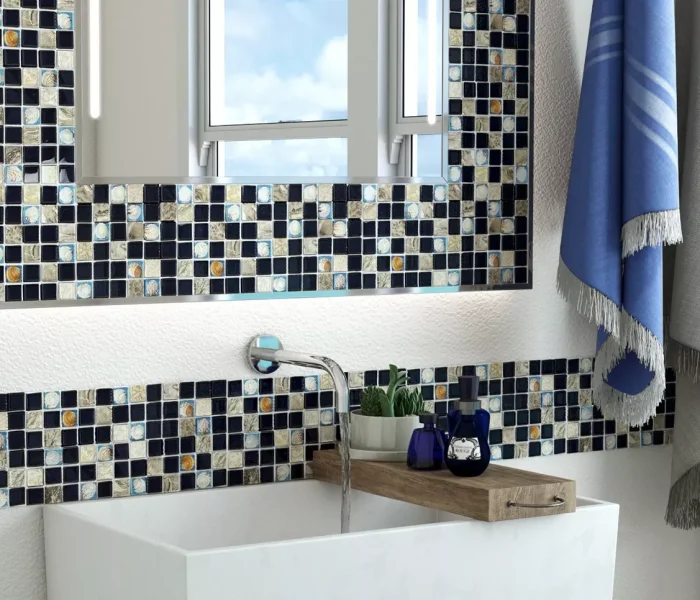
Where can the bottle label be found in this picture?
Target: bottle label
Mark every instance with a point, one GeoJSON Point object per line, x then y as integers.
{"type": "Point", "coordinates": [464, 449]}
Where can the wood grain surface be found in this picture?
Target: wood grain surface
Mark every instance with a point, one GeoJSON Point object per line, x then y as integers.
{"type": "Point", "coordinates": [484, 498]}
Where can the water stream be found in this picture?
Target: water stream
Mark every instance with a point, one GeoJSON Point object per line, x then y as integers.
{"type": "Point", "coordinates": [344, 449]}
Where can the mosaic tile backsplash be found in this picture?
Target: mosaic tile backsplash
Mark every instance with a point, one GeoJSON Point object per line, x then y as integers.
{"type": "Point", "coordinates": [126, 441]}
{"type": "Point", "coordinates": [68, 242]}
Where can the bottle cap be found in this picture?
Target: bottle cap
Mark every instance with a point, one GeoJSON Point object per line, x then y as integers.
{"type": "Point", "coordinates": [428, 418]}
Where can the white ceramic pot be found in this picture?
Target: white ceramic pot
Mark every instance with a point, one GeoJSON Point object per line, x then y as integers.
{"type": "Point", "coordinates": [390, 434]}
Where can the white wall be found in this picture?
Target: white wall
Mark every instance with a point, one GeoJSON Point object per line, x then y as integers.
{"type": "Point", "coordinates": [68, 348]}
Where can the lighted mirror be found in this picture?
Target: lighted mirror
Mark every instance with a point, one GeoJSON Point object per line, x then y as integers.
{"type": "Point", "coordinates": [301, 90]}
{"type": "Point", "coordinates": [159, 150]}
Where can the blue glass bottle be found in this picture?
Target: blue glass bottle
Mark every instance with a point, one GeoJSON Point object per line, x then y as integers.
{"type": "Point", "coordinates": [481, 417]}
{"type": "Point", "coordinates": [467, 453]}
{"type": "Point", "coordinates": [483, 421]}
{"type": "Point", "coordinates": [427, 448]}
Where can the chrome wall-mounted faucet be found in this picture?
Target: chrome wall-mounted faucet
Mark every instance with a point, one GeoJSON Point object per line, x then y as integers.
{"type": "Point", "coordinates": [266, 354]}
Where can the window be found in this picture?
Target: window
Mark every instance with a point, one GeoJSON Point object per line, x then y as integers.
{"type": "Point", "coordinates": [302, 89]}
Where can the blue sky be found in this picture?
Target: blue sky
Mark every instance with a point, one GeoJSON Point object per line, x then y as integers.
{"type": "Point", "coordinates": [287, 59]}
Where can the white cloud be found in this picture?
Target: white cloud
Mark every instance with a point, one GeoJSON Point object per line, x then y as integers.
{"type": "Point", "coordinates": [269, 96]}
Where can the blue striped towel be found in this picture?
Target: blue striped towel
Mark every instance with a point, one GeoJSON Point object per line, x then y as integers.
{"type": "Point", "coordinates": [623, 200]}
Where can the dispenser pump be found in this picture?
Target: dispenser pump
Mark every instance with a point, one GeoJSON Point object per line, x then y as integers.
{"type": "Point", "coordinates": [468, 394]}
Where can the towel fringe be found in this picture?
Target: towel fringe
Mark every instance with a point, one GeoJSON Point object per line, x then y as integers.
{"type": "Point", "coordinates": [642, 341]}
{"type": "Point", "coordinates": [684, 359]}
{"type": "Point", "coordinates": [625, 334]}
{"type": "Point", "coordinates": [607, 358]}
{"type": "Point", "coordinates": [589, 302]}
{"type": "Point", "coordinates": [683, 510]}
{"type": "Point", "coordinates": [635, 409]}
{"type": "Point", "coordinates": [651, 229]}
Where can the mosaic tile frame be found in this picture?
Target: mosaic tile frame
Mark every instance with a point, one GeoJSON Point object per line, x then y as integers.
{"type": "Point", "coordinates": [76, 244]}
{"type": "Point", "coordinates": [151, 439]}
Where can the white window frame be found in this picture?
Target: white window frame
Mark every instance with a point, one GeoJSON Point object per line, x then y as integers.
{"type": "Point", "coordinates": [395, 156]}
{"type": "Point", "coordinates": [404, 130]}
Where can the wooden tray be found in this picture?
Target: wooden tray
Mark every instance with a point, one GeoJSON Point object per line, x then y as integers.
{"type": "Point", "coordinates": [483, 498]}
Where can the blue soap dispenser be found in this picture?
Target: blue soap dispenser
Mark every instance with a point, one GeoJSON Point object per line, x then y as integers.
{"type": "Point", "coordinates": [467, 453]}
{"type": "Point", "coordinates": [427, 448]}
{"type": "Point", "coordinates": [453, 412]}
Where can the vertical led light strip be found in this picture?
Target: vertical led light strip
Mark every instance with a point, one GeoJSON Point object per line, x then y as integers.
{"type": "Point", "coordinates": [95, 45]}
{"type": "Point", "coordinates": [217, 62]}
{"type": "Point", "coordinates": [410, 58]}
{"type": "Point", "coordinates": [432, 61]}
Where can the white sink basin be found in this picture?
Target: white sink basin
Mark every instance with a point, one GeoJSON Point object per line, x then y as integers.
{"type": "Point", "coordinates": [282, 541]}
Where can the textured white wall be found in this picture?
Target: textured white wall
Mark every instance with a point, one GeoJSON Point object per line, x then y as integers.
{"type": "Point", "coordinates": [22, 555]}
{"type": "Point", "coordinates": [67, 348]}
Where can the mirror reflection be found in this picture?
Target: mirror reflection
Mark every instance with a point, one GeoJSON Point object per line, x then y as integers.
{"type": "Point", "coordinates": [295, 90]}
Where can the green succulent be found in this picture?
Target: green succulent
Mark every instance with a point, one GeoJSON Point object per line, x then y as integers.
{"type": "Point", "coordinates": [397, 401]}
{"type": "Point", "coordinates": [408, 402]}
{"type": "Point", "coordinates": [372, 401]}
{"type": "Point", "coordinates": [397, 380]}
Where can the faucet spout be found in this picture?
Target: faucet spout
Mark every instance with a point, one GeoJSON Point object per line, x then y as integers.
{"type": "Point", "coordinates": [266, 360]}
{"type": "Point", "coordinates": [266, 354]}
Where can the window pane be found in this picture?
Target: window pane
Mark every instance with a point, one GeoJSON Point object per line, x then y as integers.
{"type": "Point", "coordinates": [427, 155]}
{"type": "Point", "coordinates": [418, 76]}
{"type": "Point", "coordinates": [326, 157]}
{"type": "Point", "coordinates": [277, 60]}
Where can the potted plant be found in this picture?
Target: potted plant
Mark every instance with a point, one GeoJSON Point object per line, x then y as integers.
{"type": "Point", "coordinates": [386, 419]}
